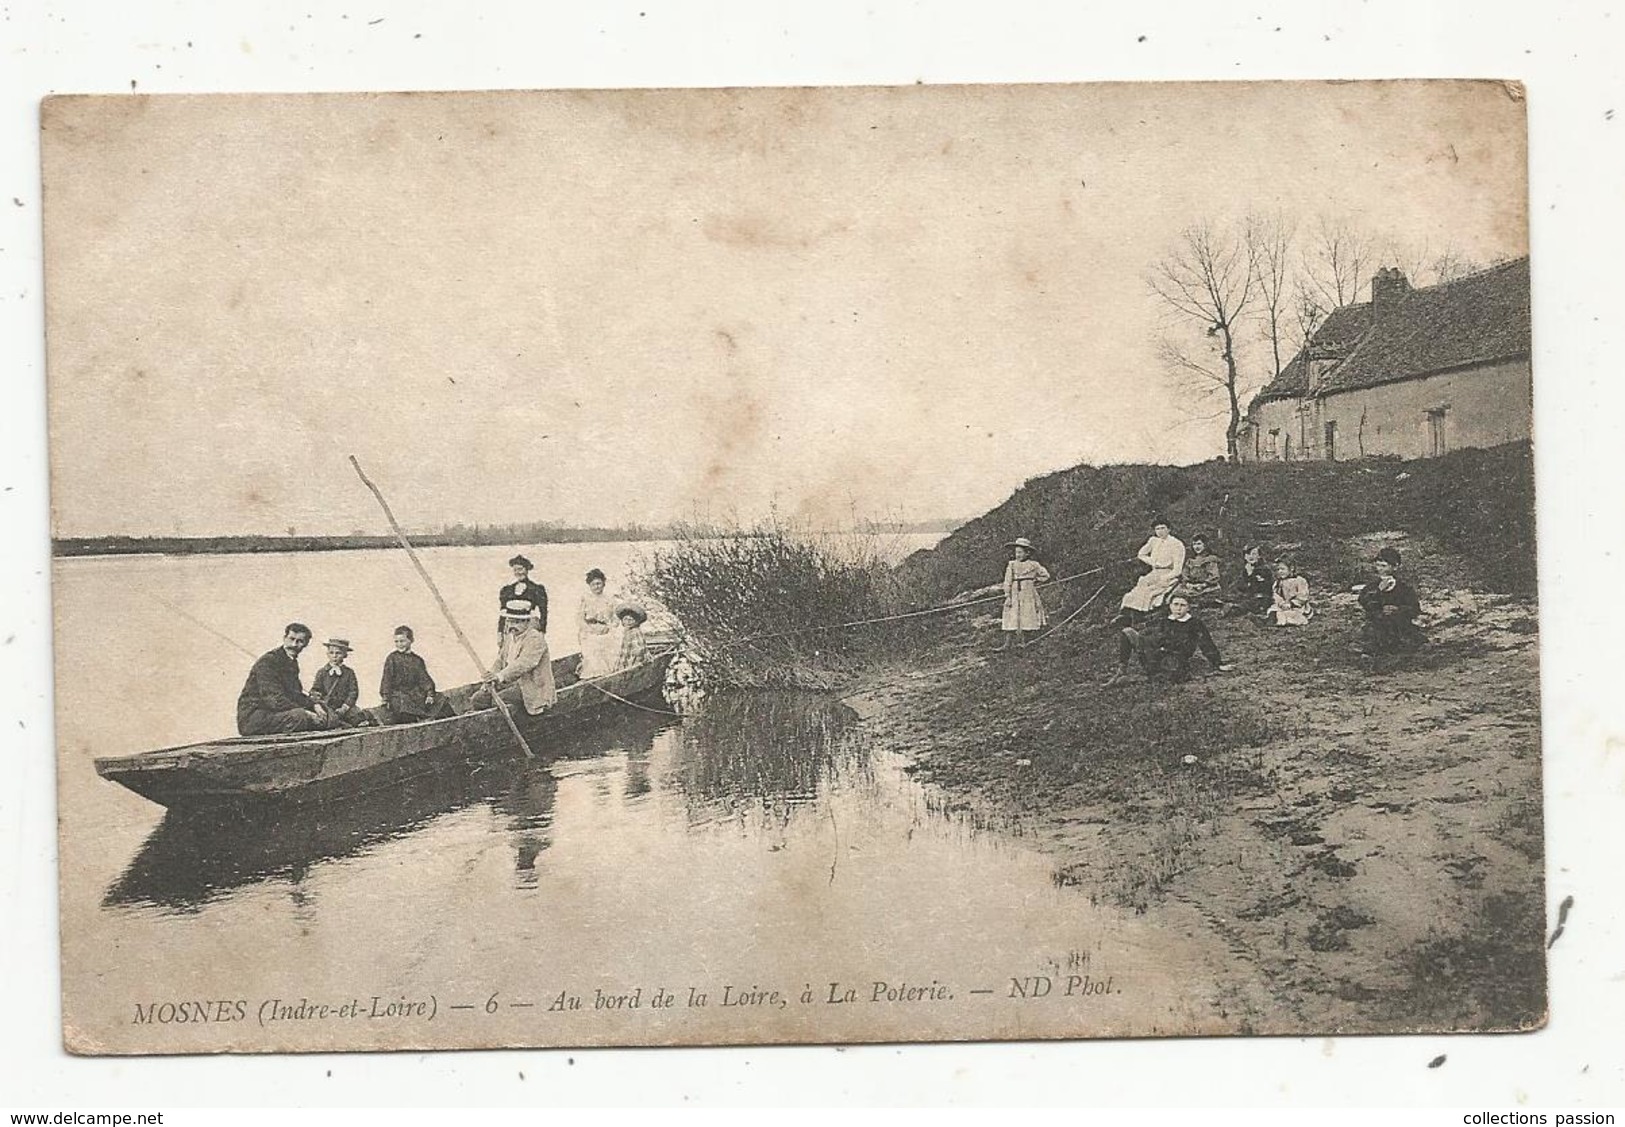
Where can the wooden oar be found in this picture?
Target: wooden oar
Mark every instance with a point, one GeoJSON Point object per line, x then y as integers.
{"type": "Point", "coordinates": [485, 674]}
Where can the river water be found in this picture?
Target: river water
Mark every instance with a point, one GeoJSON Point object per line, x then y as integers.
{"type": "Point", "coordinates": [763, 848]}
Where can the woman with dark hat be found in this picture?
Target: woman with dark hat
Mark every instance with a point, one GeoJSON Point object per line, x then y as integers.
{"type": "Point", "coordinates": [1391, 609]}
{"type": "Point", "coordinates": [523, 596]}
{"type": "Point", "coordinates": [1023, 606]}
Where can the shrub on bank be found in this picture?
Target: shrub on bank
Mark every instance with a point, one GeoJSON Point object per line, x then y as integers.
{"type": "Point", "coordinates": [761, 606]}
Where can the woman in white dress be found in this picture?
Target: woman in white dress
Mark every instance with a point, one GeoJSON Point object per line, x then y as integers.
{"type": "Point", "coordinates": [596, 628]}
{"type": "Point", "coordinates": [1164, 554]}
{"type": "Point", "coordinates": [1023, 606]}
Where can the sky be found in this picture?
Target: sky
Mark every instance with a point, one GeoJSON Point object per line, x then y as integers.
{"type": "Point", "coordinates": [603, 307]}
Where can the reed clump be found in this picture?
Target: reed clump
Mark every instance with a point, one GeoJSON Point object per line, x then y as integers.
{"type": "Point", "coordinates": [768, 606]}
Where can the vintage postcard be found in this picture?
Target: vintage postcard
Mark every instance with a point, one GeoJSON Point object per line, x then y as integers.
{"type": "Point", "coordinates": [793, 565]}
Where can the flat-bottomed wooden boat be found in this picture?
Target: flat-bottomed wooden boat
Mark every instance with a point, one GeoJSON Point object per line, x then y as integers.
{"type": "Point", "coordinates": [318, 765]}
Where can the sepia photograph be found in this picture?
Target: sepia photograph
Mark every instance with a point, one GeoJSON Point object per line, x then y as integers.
{"type": "Point", "coordinates": [813, 565]}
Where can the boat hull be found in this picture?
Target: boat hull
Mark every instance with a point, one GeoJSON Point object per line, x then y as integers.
{"type": "Point", "coordinates": [312, 766]}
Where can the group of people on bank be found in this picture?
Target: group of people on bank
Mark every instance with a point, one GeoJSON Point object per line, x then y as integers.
{"type": "Point", "coordinates": [273, 700]}
{"type": "Point", "coordinates": [1159, 621]}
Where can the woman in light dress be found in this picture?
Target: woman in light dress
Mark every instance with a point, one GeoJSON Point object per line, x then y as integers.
{"type": "Point", "coordinates": [1023, 606]}
{"type": "Point", "coordinates": [596, 628]}
{"type": "Point", "coordinates": [1291, 606]}
{"type": "Point", "coordinates": [1164, 554]}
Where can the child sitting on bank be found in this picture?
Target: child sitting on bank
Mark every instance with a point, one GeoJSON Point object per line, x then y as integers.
{"type": "Point", "coordinates": [1253, 589]}
{"type": "Point", "coordinates": [1290, 606]}
{"type": "Point", "coordinates": [336, 689]}
{"type": "Point", "coordinates": [1200, 581]}
{"type": "Point", "coordinates": [1391, 609]}
{"type": "Point", "coordinates": [1166, 644]}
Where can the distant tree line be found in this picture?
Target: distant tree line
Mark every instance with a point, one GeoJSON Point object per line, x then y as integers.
{"type": "Point", "coordinates": [448, 536]}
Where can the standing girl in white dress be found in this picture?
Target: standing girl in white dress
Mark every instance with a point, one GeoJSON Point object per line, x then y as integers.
{"type": "Point", "coordinates": [1023, 606]}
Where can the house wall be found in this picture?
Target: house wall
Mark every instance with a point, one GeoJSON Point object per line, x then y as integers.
{"type": "Point", "coordinates": [1273, 423]}
{"type": "Point", "coordinates": [1483, 406]}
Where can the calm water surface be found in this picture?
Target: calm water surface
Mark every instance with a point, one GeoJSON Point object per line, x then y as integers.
{"type": "Point", "coordinates": [762, 842]}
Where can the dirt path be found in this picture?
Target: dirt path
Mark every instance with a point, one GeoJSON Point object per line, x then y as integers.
{"type": "Point", "coordinates": [1361, 846]}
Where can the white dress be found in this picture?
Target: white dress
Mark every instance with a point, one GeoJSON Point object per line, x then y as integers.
{"type": "Point", "coordinates": [1165, 555]}
{"type": "Point", "coordinates": [1023, 606]}
{"type": "Point", "coordinates": [598, 633]}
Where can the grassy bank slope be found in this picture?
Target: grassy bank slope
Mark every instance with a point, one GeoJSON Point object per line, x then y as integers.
{"type": "Point", "coordinates": [1474, 507]}
{"type": "Point", "coordinates": [1360, 842]}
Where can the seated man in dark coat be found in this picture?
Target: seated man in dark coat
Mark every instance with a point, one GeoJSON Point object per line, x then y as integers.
{"type": "Point", "coordinates": [272, 701]}
{"type": "Point", "coordinates": [1391, 609]}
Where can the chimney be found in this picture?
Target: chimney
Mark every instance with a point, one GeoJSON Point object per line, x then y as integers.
{"type": "Point", "coordinates": [1388, 288]}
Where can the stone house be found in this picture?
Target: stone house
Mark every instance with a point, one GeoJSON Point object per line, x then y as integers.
{"type": "Point", "coordinates": [1412, 373]}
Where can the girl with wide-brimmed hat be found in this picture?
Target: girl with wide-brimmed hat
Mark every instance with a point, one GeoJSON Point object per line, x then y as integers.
{"type": "Point", "coordinates": [634, 648]}
{"type": "Point", "coordinates": [1023, 605]}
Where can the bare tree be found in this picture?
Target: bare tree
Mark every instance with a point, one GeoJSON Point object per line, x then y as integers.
{"type": "Point", "coordinates": [1450, 264]}
{"type": "Point", "coordinates": [1413, 260]}
{"type": "Point", "coordinates": [1337, 263]}
{"type": "Point", "coordinates": [1210, 280]}
{"type": "Point", "coordinates": [1269, 241]}
{"type": "Point", "coordinates": [1307, 316]}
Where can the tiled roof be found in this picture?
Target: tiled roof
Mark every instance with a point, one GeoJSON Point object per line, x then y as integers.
{"type": "Point", "coordinates": [1478, 319]}
{"type": "Point", "coordinates": [1337, 337]}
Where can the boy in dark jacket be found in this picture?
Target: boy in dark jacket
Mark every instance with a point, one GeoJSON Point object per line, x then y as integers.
{"type": "Point", "coordinates": [1254, 585]}
{"type": "Point", "coordinates": [335, 687]}
{"type": "Point", "coordinates": [1391, 609]}
{"type": "Point", "coordinates": [1167, 649]}
{"type": "Point", "coordinates": [1166, 645]}
{"type": "Point", "coordinates": [406, 689]}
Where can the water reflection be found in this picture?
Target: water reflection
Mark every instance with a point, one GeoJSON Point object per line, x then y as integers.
{"type": "Point", "coordinates": [195, 857]}
{"type": "Point", "coordinates": [528, 804]}
{"type": "Point", "coordinates": [760, 757]}
{"type": "Point", "coordinates": [769, 751]}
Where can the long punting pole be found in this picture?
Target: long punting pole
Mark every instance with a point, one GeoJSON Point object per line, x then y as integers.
{"type": "Point", "coordinates": [485, 674]}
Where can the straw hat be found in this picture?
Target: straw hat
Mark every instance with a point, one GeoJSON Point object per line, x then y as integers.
{"type": "Point", "coordinates": [338, 644]}
{"type": "Point", "coordinates": [634, 610]}
{"type": "Point", "coordinates": [1020, 542]}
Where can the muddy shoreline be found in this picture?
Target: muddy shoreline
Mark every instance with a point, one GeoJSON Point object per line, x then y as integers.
{"type": "Point", "coordinates": [1357, 846]}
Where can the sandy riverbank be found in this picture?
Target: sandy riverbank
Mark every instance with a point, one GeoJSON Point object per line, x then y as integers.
{"type": "Point", "coordinates": [1359, 847]}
